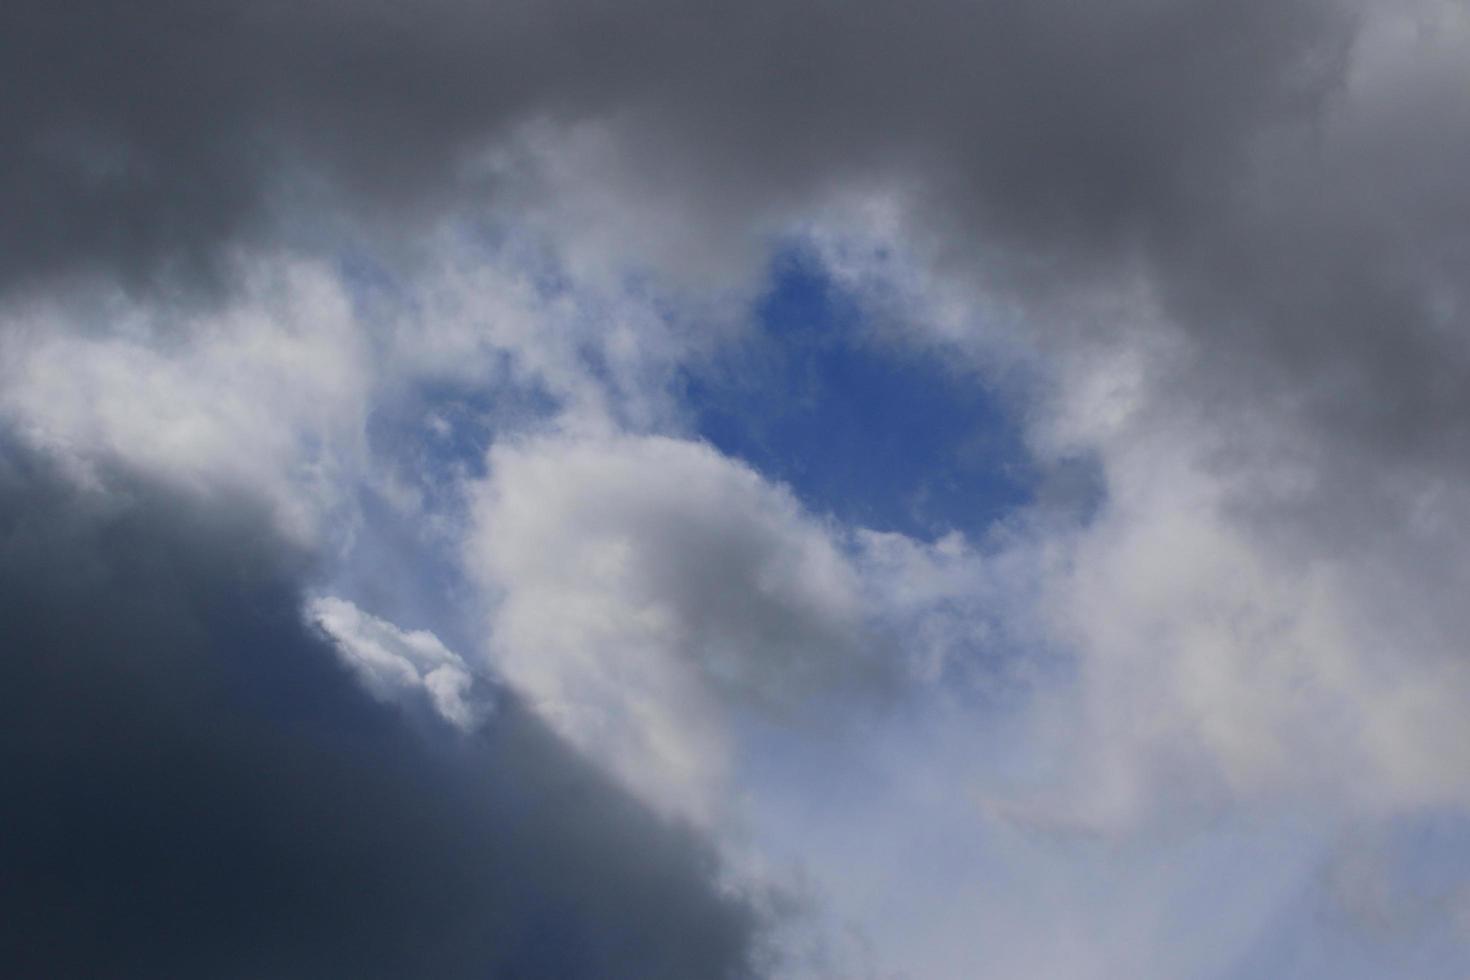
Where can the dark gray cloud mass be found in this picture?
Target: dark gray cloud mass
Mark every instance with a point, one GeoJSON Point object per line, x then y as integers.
{"type": "Point", "coordinates": [142, 135]}
{"type": "Point", "coordinates": [194, 787]}
{"type": "Point", "coordinates": [1306, 231]}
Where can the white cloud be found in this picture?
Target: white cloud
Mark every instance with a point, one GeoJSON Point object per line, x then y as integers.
{"type": "Point", "coordinates": [265, 396]}
{"type": "Point", "coordinates": [1257, 613]}
{"type": "Point", "coordinates": [271, 391]}
{"type": "Point", "coordinates": [1258, 618]}
{"type": "Point", "coordinates": [396, 664]}
{"type": "Point", "coordinates": [647, 588]}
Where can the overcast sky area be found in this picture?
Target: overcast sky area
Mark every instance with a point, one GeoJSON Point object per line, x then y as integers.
{"type": "Point", "coordinates": [580, 489]}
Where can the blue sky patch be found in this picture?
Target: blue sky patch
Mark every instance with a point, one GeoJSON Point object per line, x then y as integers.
{"type": "Point", "coordinates": [886, 437]}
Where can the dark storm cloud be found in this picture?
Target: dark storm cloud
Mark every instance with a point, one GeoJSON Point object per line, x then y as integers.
{"type": "Point", "coordinates": [139, 136]}
{"type": "Point", "coordinates": [193, 787]}
{"type": "Point", "coordinates": [1311, 235]}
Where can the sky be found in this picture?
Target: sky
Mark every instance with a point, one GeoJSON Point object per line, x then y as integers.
{"type": "Point", "coordinates": [776, 490]}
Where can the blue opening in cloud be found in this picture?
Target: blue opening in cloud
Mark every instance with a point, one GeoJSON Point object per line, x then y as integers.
{"type": "Point", "coordinates": [879, 435]}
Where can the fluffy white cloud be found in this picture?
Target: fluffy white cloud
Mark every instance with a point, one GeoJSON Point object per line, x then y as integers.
{"type": "Point", "coordinates": [647, 588]}
{"type": "Point", "coordinates": [1223, 652]}
{"type": "Point", "coordinates": [272, 390]}
{"type": "Point", "coordinates": [265, 396]}
{"type": "Point", "coordinates": [397, 665]}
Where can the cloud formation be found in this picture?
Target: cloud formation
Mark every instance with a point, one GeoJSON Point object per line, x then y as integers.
{"type": "Point", "coordinates": [1282, 175]}
{"type": "Point", "coordinates": [195, 785]}
{"type": "Point", "coordinates": [149, 138]}
{"type": "Point", "coordinates": [646, 587]}
{"type": "Point", "coordinates": [399, 665]}
{"type": "Point", "coordinates": [427, 294]}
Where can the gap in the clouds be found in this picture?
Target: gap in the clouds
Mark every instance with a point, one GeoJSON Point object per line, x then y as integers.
{"type": "Point", "coordinates": [429, 443]}
{"type": "Point", "coordinates": [879, 434]}
{"type": "Point", "coordinates": [441, 430]}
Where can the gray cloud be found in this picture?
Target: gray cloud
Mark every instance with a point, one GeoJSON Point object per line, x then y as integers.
{"type": "Point", "coordinates": [1290, 189]}
{"type": "Point", "coordinates": [195, 785]}
{"type": "Point", "coordinates": [143, 137]}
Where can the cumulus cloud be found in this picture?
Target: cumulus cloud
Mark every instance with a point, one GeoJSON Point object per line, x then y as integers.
{"type": "Point", "coordinates": [266, 396]}
{"type": "Point", "coordinates": [288, 388]}
{"type": "Point", "coordinates": [646, 587]}
{"type": "Point", "coordinates": [397, 664]}
{"type": "Point", "coordinates": [1224, 638]}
